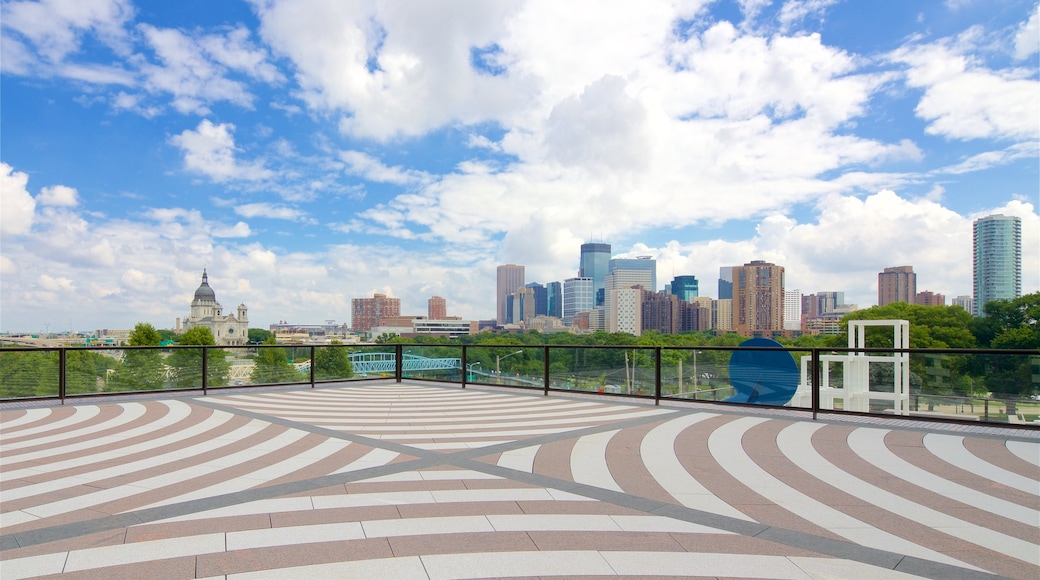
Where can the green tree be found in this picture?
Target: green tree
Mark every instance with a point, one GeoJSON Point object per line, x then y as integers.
{"type": "Point", "coordinates": [142, 369]}
{"type": "Point", "coordinates": [272, 365]}
{"type": "Point", "coordinates": [259, 335]}
{"type": "Point", "coordinates": [86, 371]}
{"type": "Point", "coordinates": [332, 362]}
{"type": "Point", "coordinates": [1010, 324]}
{"type": "Point", "coordinates": [28, 373]}
{"type": "Point", "coordinates": [186, 363]}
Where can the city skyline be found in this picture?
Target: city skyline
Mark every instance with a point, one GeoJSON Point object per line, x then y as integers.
{"type": "Point", "coordinates": [310, 157]}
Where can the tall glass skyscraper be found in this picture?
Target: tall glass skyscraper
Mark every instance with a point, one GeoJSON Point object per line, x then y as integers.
{"type": "Point", "coordinates": [685, 287]}
{"type": "Point", "coordinates": [997, 260]}
{"type": "Point", "coordinates": [595, 259]}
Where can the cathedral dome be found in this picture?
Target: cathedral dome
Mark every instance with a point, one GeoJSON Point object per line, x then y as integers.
{"type": "Point", "coordinates": [205, 292]}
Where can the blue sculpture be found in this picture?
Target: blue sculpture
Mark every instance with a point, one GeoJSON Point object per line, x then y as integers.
{"type": "Point", "coordinates": [764, 377]}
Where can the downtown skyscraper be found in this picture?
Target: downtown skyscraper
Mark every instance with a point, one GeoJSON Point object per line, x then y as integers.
{"type": "Point", "coordinates": [594, 264]}
{"type": "Point", "coordinates": [510, 278]}
{"type": "Point", "coordinates": [996, 260]}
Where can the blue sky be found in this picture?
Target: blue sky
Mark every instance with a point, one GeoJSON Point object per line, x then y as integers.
{"type": "Point", "coordinates": [307, 152]}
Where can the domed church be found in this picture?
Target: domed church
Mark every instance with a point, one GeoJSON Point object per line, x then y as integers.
{"type": "Point", "coordinates": [227, 330]}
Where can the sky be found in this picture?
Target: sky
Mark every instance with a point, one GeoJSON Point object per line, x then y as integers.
{"type": "Point", "coordinates": [308, 152]}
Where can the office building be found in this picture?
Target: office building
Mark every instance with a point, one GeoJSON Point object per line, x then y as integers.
{"type": "Point", "coordinates": [792, 309]}
{"type": "Point", "coordinates": [821, 303]}
{"type": "Point", "coordinates": [368, 313]}
{"type": "Point", "coordinates": [997, 260]}
{"type": "Point", "coordinates": [897, 284]}
{"type": "Point", "coordinates": [437, 308]}
{"type": "Point", "coordinates": [510, 277]}
{"type": "Point", "coordinates": [685, 287]}
{"type": "Point", "coordinates": [758, 298]}
{"type": "Point", "coordinates": [541, 298]}
{"type": "Point", "coordinates": [578, 296]}
{"type": "Point", "coordinates": [524, 305]}
{"type": "Point", "coordinates": [595, 259]}
{"type": "Point", "coordinates": [554, 299]}
{"type": "Point", "coordinates": [632, 271]}
{"type": "Point", "coordinates": [726, 282]}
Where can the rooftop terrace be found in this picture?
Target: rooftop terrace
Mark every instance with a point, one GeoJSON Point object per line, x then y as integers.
{"type": "Point", "coordinates": [424, 480]}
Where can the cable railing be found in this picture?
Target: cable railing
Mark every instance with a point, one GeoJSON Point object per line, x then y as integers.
{"type": "Point", "coordinates": [965, 385]}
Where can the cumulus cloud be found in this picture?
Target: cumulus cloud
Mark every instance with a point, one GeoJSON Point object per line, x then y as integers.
{"type": "Point", "coordinates": [58, 195]}
{"type": "Point", "coordinates": [17, 206]}
{"type": "Point", "coordinates": [965, 100]}
{"type": "Point", "coordinates": [210, 150]}
{"type": "Point", "coordinates": [389, 69]}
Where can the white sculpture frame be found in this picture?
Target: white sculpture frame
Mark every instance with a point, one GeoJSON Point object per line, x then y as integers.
{"type": "Point", "coordinates": [855, 393]}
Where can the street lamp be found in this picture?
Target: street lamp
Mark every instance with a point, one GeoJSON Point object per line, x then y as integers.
{"type": "Point", "coordinates": [469, 370]}
{"type": "Point", "coordinates": [498, 364]}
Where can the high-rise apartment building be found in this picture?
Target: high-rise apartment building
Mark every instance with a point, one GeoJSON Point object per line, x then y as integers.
{"type": "Point", "coordinates": [661, 312]}
{"type": "Point", "coordinates": [726, 282]}
{"type": "Point", "coordinates": [821, 303]}
{"type": "Point", "coordinates": [963, 301]}
{"type": "Point", "coordinates": [792, 309]}
{"type": "Point", "coordinates": [997, 260]}
{"type": "Point", "coordinates": [510, 277]}
{"type": "Point", "coordinates": [368, 313]}
{"type": "Point", "coordinates": [595, 259]}
{"type": "Point", "coordinates": [436, 308]}
{"type": "Point", "coordinates": [758, 298]}
{"type": "Point", "coordinates": [578, 296]}
{"type": "Point", "coordinates": [626, 312]}
{"type": "Point", "coordinates": [554, 299]}
{"type": "Point", "coordinates": [929, 298]}
{"type": "Point", "coordinates": [685, 287]}
{"type": "Point", "coordinates": [897, 284]}
{"type": "Point", "coordinates": [722, 314]}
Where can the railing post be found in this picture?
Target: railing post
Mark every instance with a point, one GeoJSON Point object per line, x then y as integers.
{"type": "Point", "coordinates": [465, 368]}
{"type": "Point", "coordinates": [815, 382]}
{"type": "Point", "coordinates": [205, 369]}
{"type": "Point", "coordinates": [312, 366]}
{"type": "Point", "coordinates": [657, 375]}
{"type": "Point", "coordinates": [545, 367]}
{"type": "Point", "coordinates": [61, 374]}
{"type": "Point", "coordinates": [399, 362]}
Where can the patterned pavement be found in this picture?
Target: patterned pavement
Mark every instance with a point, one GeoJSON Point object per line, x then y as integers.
{"type": "Point", "coordinates": [386, 480]}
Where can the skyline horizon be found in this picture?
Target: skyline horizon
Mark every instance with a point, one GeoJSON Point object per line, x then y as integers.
{"type": "Point", "coordinates": [349, 323]}
{"type": "Point", "coordinates": [311, 152]}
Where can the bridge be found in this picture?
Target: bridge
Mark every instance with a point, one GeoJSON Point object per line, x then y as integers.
{"type": "Point", "coordinates": [385, 362]}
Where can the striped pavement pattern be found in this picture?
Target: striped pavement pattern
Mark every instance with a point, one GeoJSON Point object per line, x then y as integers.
{"type": "Point", "coordinates": [416, 480]}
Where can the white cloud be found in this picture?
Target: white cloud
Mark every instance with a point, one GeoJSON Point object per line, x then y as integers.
{"type": "Point", "coordinates": [963, 99]}
{"type": "Point", "coordinates": [269, 211]}
{"type": "Point", "coordinates": [56, 27]}
{"type": "Point", "coordinates": [1027, 40]}
{"type": "Point", "coordinates": [370, 168]}
{"type": "Point", "coordinates": [17, 206]}
{"type": "Point", "coordinates": [210, 150]}
{"type": "Point", "coordinates": [391, 69]}
{"type": "Point", "coordinates": [58, 195]}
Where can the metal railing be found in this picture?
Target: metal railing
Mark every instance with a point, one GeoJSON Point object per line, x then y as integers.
{"type": "Point", "coordinates": [977, 385]}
